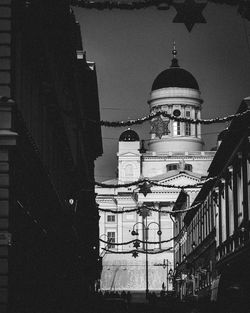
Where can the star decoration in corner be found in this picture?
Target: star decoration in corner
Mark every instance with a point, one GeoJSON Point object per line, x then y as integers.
{"type": "Point", "coordinates": [189, 13]}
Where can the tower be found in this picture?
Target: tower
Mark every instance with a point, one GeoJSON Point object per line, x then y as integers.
{"type": "Point", "coordinates": [176, 92]}
{"type": "Point", "coordinates": [129, 168]}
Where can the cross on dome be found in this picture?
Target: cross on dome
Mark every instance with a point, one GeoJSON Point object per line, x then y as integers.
{"type": "Point", "coordinates": [174, 51]}
{"type": "Point", "coordinates": [174, 60]}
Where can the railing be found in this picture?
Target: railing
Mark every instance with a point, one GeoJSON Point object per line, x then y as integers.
{"type": "Point", "coordinates": [180, 153]}
{"type": "Point", "coordinates": [233, 244]}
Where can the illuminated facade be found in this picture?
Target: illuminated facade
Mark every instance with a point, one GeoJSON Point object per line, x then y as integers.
{"type": "Point", "coordinates": [174, 155]}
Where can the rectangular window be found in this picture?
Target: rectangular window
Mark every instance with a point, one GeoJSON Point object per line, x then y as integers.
{"type": "Point", "coordinates": [111, 238]}
{"type": "Point", "coordinates": [187, 129]}
{"type": "Point", "coordinates": [188, 114]}
{"type": "Point", "coordinates": [177, 128]}
{"type": "Point", "coordinates": [196, 126]}
{"type": "Point", "coordinates": [111, 218]}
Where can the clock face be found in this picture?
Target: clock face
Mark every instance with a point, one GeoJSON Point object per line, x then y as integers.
{"type": "Point", "coordinates": [177, 112]}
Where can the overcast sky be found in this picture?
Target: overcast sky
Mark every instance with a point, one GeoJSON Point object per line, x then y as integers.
{"type": "Point", "coordinates": [130, 48]}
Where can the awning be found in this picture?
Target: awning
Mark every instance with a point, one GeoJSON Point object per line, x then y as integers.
{"type": "Point", "coordinates": [214, 288]}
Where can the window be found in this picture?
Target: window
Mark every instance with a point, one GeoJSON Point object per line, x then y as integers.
{"type": "Point", "coordinates": [177, 112]}
{"type": "Point", "coordinates": [188, 167]}
{"type": "Point", "coordinates": [188, 114]}
{"type": "Point", "coordinates": [196, 127]}
{"type": "Point", "coordinates": [176, 128]}
{"type": "Point", "coordinates": [187, 129]}
{"type": "Point", "coordinates": [172, 167]}
{"type": "Point", "coordinates": [111, 238]}
{"type": "Point", "coordinates": [111, 218]}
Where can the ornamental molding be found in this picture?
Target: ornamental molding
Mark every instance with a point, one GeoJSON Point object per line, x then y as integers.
{"type": "Point", "coordinates": [128, 154]}
{"type": "Point", "coordinates": [175, 92]}
{"type": "Point", "coordinates": [156, 158]}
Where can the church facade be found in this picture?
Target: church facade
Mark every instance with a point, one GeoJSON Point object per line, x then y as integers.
{"type": "Point", "coordinates": [174, 155]}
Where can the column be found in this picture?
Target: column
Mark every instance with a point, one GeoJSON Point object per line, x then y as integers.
{"type": "Point", "coordinates": [157, 207]}
{"type": "Point", "coordinates": [230, 201]}
{"type": "Point", "coordinates": [223, 210]}
{"type": "Point", "coordinates": [239, 188]}
{"type": "Point", "coordinates": [119, 229]}
{"type": "Point", "coordinates": [245, 180]}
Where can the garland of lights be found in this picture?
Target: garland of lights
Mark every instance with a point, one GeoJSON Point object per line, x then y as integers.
{"type": "Point", "coordinates": [171, 117]}
{"type": "Point", "coordinates": [151, 209]}
{"type": "Point", "coordinates": [146, 180]}
{"type": "Point", "coordinates": [136, 240]}
{"type": "Point", "coordinates": [160, 4]}
{"type": "Point", "coordinates": [35, 221]}
{"type": "Point", "coordinates": [136, 251]}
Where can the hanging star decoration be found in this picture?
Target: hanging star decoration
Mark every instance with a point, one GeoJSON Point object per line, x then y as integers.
{"type": "Point", "coordinates": [136, 244]}
{"type": "Point", "coordinates": [189, 13]}
{"type": "Point", "coordinates": [144, 211]}
{"type": "Point", "coordinates": [144, 188]}
{"type": "Point", "coordinates": [159, 127]}
{"type": "Point", "coordinates": [135, 254]}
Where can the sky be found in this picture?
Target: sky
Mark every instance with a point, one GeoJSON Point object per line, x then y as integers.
{"type": "Point", "coordinates": [131, 47]}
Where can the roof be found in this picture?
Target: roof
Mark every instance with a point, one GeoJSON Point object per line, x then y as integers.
{"type": "Point", "coordinates": [175, 76]}
{"type": "Point", "coordinates": [175, 173]}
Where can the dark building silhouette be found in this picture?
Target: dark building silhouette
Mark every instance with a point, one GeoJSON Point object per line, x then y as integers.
{"type": "Point", "coordinates": [48, 218]}
{"type": "Point", "coordinates": [212, 243]}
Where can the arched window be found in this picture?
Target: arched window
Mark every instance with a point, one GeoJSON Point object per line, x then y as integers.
{"type": "Point", "coordinates": [129, 171]}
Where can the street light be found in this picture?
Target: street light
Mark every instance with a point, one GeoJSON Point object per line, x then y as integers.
{"type": "Point", "coordinates": [145, 229]}
{"type": "Point", "coordinates": [169, 272]}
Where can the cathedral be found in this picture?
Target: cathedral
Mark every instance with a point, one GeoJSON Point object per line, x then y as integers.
{"type": "Point", "coordinates": [174, 155]}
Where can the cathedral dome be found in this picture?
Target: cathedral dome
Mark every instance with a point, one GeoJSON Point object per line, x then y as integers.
{"type": "Point", "coordinates": [129, 135]}
{"type": "Point", "coordinates": [175, 77]}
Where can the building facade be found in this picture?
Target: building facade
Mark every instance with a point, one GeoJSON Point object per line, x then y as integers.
{"type": "Point", "coordinates": [174, 156]}
{"type": "Point", "coordinates": [48, 219]}
{"type": "Point", "coordinates": [214, 238]}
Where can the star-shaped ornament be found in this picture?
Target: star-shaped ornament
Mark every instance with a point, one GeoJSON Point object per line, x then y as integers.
{"type": "Point", "coordinates": [144, 211]}
{"type": "Point", "coordinates": [145, 188]}
{"type": "Point", "coordinates": [136, 244]}
{"type": "Point", "coordinates": [159, 127]}
{"type": "Point", "coordinates": [134, 254]}
{"type": "Point", "coordinates": [189, 13]}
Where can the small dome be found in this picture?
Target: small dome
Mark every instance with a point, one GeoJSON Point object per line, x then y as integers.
{"type": "Point", "coordinates": [175, 77]}
{"type": "Point", "coordinates": [129, 135]}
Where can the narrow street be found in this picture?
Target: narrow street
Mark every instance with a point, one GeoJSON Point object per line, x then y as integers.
{"type": "Point", "coordinates": [139, 304]}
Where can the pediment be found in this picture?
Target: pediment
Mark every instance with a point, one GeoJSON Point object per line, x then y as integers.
{"type": "Point", "coordinates": [128, 154]}
{"type": "Point", "coordinates": [178, 179]}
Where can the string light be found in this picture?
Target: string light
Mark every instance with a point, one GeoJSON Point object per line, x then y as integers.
{"type": "Point", "coordinates": [146, 180]}
{"type": "Point", "coordinates": [133, 5]}
{"type": "Point", "coordinates": [171, 117]}
{"type": "Point", "coordinates": [152, 209]}
{"type": "Point", "coordinates": [136, 240]}
{"type": "Point", "coordinates": [35, 221]}
{"type": "Point", "coordinates": [159, 4]}
{"type": "Point", "coordinates": [138, 251]}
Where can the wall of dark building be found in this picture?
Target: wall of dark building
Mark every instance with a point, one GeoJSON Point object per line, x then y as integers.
{"type": "Point", "coordinates": [212, 244]}
{"type": "Point", "coordinates": [48, 95]}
